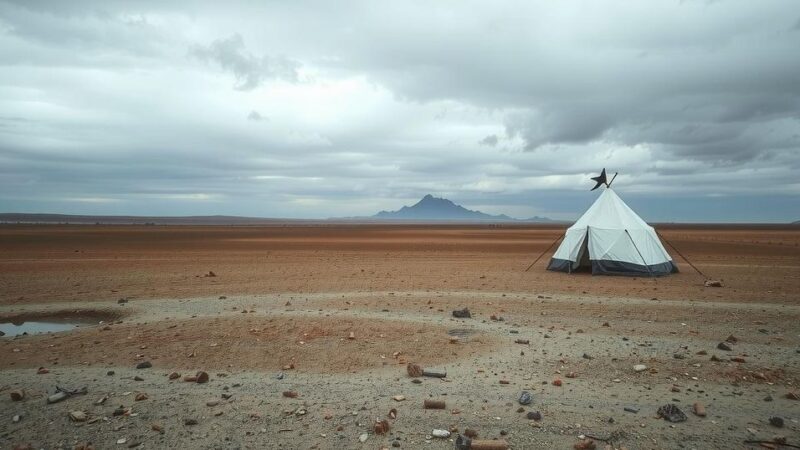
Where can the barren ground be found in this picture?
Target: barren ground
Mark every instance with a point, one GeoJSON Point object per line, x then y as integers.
{"type": "Point", "coordinates": [285, 300]}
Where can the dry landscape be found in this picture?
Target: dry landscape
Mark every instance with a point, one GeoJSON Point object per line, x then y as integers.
{"type": "Point", "coordinates": [306, 331]}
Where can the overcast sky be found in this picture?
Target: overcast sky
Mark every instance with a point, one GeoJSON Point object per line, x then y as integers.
{"type": "Point", "coordinates": [332, 108]}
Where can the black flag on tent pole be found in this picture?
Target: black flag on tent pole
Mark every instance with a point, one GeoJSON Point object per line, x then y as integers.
{"type": "Point", "coordinates": [601, 179]}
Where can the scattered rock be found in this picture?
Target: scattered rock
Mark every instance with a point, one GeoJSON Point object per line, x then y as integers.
{"type": "Point", "coordinates": [738, 359]}
{"type": "Point", "coordinates": [462, 314]}
{"type": "Point", "coordinates": [434, 404]}
{"type": "Point", "coordinates": [381, 427]}
{"type": "Point", "coordinates": [639, 368]}
{"type": "Point", "coordinates": [363, 437]}
{"type": "Point", "coordinates": [557, 382]}
{"type": "Point", "coordinates": [351, 336]}
{"type": "Point", "coordinates": [144, 365]}
{"type": "Point", "coordinates": [443, 434]}
{"type": "Point", "coordinates": [157, 427]}
{"type": "Point", "coordinates": [414, 370]}
{"type": "Point", "coordinates": [189, 422]}
{"type": "Point", "coordinates": [42, 371]}
{"type": "Point", "coordinates": [77, 416]}
{"type": "Point", "coordinates": [585, 444]}
{"type": "Point", "coordinates": [174, 376]}
{"type": "Point", "coordinates": [202, 377]}
{"type": "Point", "coordinates": [290, 394]}
{"type": "Point", "coordinates": [525, 398]}
{"type": "Point", "coordinates": [776, 421]}
{"type": "Point", "coordinates": [141, 396]}
{"type": "Point", "coordinates": [712, 283]}
{"type": "Point", "coordinates": [534, 415]}
{"type": "Point", "coordinates": [399, 398]}
{"type": "Point", "coordinates": [699, 409]}
{"type": "Point", "coordinates": [791, 395]}
{"type": "Point", "coordinates": [631, 409]}
{"type": "Point", "coordinates": [606, 324]}
{"type": "Point", "coordinates": [110, 373]}
{"type": "Point", "coordinates": [16, 418]}
{"type": "Point", "coordinates": [724, 346]}
{"type": "Point", "coordinates": [138, 378]}
{"type": "Point", "coordinates": [732, 339]}
{"type": "Point", "coordinates": [522, 341]}
{"type": "Point", "coordinates": [17, 395]}
{"type": "Point", "coordinates": [671, 413]}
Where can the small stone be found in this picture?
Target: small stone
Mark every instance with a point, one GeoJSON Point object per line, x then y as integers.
{"type": "Point", "coordinates": [77, 416]}
{"type": "Point", "coordinates": [414, 370]}
{"type": "Point", "coordinates": [557, 382]}
{"type": "Point", "coordinates": [290, 394]}
{"type": "Point", "coordinates": [17, 395]}
{"type": "Point", "coordinates": [585, 444]}
{"type": "Point", "coordinates": [776, 421]}
{"type": "Point", "coordinates": [202, 377]}
{"type": "Point", "coordinates": [144, 365]}
{"type": "Point", "coordinates": [226, 396]}
{"type": "Point", "coordinates": [639, 368]}
{"type": "Point", "coordinates": [157, 427]}
{"type": "Point", "coordinates": [671, 413]}
{"type": "Point", "coordinates": [141, 396]}
{"type": "Point", "coordinates": [442, 434]}
{"type": "Point", "coordinates": [399, 398]}
{"type": "Point", "coordinates": [791, 395]}
{"type": "Point", "coordinates": [724, 346]}
{"type": "Point", "coordinates": [42, 371]}
{"type": "Point", "coordinates": [534, 415]}
{"type": "Point", "coordinates": [138, 378]}
{"type": "Point", "coordinates": [396, 444]}
{"type": "Point", "coordinates": [189, 422]}
{"type": "Point", "coordinates": [606, 324]}
{"type": "Point", "coordinates": [462, 314]}
{"type": "Point", "coordinates": [110, 373]}
{"type": "Point", "coordinates": [212, 403]}
{"type": "Point", "coordinates": [16, 418]}
{"type": "Point", "coordinates": [712, 283]}
{"type": "Point", "coordinates": [351, 336]}
{"type": "Point", "coordinates": [470, 433]}
{"type": "Point", "coordinates": [525, 398]}
{"type": "Point", "coordinates": [699, 409]}
{"type": "Point", "coordinates": [363, 437]}
{"type": "Point", "coordinates": [174, 376]}
{"type": "Point", "coordinates": [587, 356]}
{"type": "Point", "coordinates": [631, 409]}
{"type": "Point", "coordinates": [738, 359]}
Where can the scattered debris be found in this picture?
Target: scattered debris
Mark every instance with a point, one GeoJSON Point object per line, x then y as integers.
{"type": "Point", "coordinates": [144, 365]}
{"type": "Point", "coordinates": [522, 341]}
{"type": "Point", "coordinates": [525, 398]}
{"type": "Point", "coordinates": [434, 404]}
{"type": "Point", "coordinates": [639, 368]}
{"type": "Point", "coordinates": [699, 409]}
{"type": "Point", "coordinates": [77, 416]}
{"type": "Point", "coordinates": [381, 426]}
{"type": "Point", "coordinates": [434, 373]}
{"type": "Point", "coordinates": [414, 370]}
{"type": "Point", "coordinates": [462, 314]}
{"type": "Point", "coordinates": [201, 377]}
{"type": "Point", "coordinates": [399, 398]}
{"type": "Point", "coordinates": [63, 394]}
{"type": "Point", "coordinates": [290, 394]}
{"type": "Point", "coordinates": [671, 413]}
{"type": "Point", "coordinates": [712, 283]}
{"type": "Point", "coordinates": [140, 397]}
{"type": "Point", "coordinates": [443, 434]}
{"type": "Point", "coordinates": [724, 346]}
{"type": "Point", "coordinates": [534, 415]}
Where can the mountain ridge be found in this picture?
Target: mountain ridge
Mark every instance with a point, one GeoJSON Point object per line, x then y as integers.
{"type": "Point", "coordinates": [442, 209]}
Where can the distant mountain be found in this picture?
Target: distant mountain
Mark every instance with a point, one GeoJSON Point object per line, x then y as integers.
{"type": "Point", "coordinates": [441, 209]}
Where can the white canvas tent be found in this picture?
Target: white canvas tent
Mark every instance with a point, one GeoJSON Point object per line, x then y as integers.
{"type": "Point", "coordinates": [611, 239]}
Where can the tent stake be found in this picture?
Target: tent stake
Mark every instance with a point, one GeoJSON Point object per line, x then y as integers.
{"type": "Point", "coordinates": [545, 251]}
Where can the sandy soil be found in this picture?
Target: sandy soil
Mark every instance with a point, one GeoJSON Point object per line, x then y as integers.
{"type": "Point", "coordinates": [279, 312]}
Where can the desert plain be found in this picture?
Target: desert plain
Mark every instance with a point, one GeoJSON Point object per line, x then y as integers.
{"type": "Point", "coordinates": [306, 330]}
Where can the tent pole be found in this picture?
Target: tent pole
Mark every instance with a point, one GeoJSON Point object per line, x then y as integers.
{"type": "Point", "coordinates": [640, 253]}
{"type": "Point", "coordinates": [680, 254]}
{"type": "Point", "coordinates": [545, 251]}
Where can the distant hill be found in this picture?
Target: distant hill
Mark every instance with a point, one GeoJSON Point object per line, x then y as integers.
{"type": "Point", "coordinates": [441, 209]}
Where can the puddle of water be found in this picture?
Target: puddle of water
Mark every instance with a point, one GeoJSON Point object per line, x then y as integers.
{"type": "Point", "coordinates": [15, 329]}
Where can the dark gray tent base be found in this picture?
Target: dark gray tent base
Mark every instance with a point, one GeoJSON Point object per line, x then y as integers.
{"type": "Point", "coordinates": [607, 267]}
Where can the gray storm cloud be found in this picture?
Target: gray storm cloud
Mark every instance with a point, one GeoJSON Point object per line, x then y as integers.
{"type": "Point", "coordinates": [316, 109]}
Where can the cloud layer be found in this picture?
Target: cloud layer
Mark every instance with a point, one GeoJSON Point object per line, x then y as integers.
{"type": "Point", "coordinates": [316, 109]}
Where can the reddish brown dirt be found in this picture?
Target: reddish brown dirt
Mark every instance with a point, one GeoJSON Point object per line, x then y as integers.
{"type": "Point", "coordinates": [78, 263]}
{"type": "Point", "coordinates": [249, 343]}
